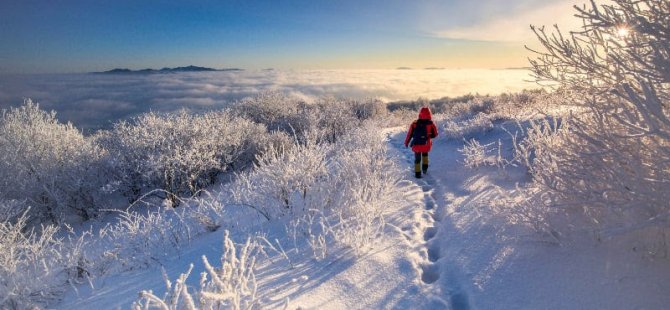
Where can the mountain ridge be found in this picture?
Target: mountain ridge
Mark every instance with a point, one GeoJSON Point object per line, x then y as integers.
{"type": "Point", "coordinates": [190, 68]}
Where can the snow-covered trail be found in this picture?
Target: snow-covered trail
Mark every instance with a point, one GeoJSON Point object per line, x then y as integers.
{"type": "Point", "coordinates": [471, 258]}
{"type": "Point", "coordinates": [442, 277]}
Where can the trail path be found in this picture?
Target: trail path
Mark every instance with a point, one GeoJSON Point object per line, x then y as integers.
{"type": "Point", "coordinates": [472, 258]}
{"type": "Point", "coordinates": [441, 276]}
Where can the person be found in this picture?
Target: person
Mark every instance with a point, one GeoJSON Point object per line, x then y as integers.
{"type": "Point", "coordinates": [419, 137]}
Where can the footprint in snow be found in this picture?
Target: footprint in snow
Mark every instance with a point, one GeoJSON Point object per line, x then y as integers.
{"type": "Point", "coordinates": [459, 301]}
{"type": "Point", "coordinates": [434, 252]}
{"type": "Point", "coordinates": [430, 203]}
{"type": "Point", "coordinates": [430, 273]}
{"type": "Point", "coordinates": [429, 233]}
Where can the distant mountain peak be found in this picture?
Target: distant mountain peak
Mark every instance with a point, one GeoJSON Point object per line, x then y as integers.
{"type": "Point", "coordinates": [190, 68]}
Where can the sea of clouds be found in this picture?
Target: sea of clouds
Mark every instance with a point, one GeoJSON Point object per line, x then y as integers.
{"type": "Point", "coordinates": [92, 101]}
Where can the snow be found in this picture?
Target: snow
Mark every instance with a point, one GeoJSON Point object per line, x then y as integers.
{"type": "Point", "coordinates": [443, 248]}
{"type": "Point", "coordinates": [473, 263]}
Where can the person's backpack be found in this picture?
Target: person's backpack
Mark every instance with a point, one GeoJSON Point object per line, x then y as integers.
{"type": "Point", "coordinates": [420, 133]}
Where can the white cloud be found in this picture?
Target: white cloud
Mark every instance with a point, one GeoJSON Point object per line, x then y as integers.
{"type": "Point", "coordinates": [516, 27]}
{"type": "Point", "coordinates": [94, 100]}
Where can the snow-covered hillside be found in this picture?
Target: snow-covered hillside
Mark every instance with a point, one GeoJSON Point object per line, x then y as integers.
{"type": "Point", "coordinates": [537, 199]}
{"type": "Point", "coordinates": [445, 246]}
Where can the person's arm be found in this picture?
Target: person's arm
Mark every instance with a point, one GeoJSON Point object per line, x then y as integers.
{"type": "Point", "coordinates": [433, 131]}
{"type": "Point", "coordinates": [409, 134]}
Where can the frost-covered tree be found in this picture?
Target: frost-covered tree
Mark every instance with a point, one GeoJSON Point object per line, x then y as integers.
{"type": "Point", "coordinates": [613, 160]}
{"type": "Point", "coordinates": [49, 166]}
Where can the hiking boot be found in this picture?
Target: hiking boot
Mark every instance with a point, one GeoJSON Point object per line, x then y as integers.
{"type": "Point", "coordinates": [424, 168]}
{"type": "Point", "coordinates": [417, 175]}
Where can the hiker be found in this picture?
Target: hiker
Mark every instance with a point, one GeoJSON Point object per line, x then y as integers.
{"type": "Point", "coordinates": [419, 137]}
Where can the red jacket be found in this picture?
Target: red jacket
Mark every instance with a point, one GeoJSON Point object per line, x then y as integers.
{"type": "Point", "coordinates": [425, 119]}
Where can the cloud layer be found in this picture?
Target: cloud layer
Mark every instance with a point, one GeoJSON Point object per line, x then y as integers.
{"type": "Point", "coordinates": [96, 101]}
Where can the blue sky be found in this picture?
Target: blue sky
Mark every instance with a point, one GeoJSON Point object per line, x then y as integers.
{"type": "Point", "coordinates": [79, 36]}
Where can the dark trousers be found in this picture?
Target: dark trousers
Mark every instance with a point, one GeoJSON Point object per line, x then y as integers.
{"type": "Point", "coordinates": [420, 162]}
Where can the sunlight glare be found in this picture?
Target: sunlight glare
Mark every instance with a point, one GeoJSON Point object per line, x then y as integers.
{"type": "Point", "coordinates": [623, 32]}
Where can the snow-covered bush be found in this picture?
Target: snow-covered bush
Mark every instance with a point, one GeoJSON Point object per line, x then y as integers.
{"type": "Point", "coordinates": [36, 266]}
{"type": "Point", "coordinates": [285, 181]}
{"type": "Point", "coordinates": [522, 105]}
{"type": "Point", "coordinates": [141, 237]}
{"type": "Point", "coordinates": [613, 162]}
{"type": "Point", "coordinates": [360, 186]}
{"type": "Point", "coordinates": [466, 127]}
{"type": "Point", "coordinates": [476, 155]}
{"type": "Point", "coordinates": [401, 117]}
{"type": "Point", "coordinates": [335, 117]}
{"type": "Point", "coordinates": [367, 109]}
{"type": "Point", "coordinates": [364, 186]}
{"type": "Point", "coordinates": [232, 285]}
{"type": "Point", "coordinates": [477, 105]}
{"type": "Point", "coordinates": [536, 138]}
{"type": "Point", "coordinates": [331, 193]}
{"type": "Point", "coordinates": [278, 112]}
{"type": "Point", "coordinates": [11, 209]}
{"type": "Point", "coordinates": [181, 152]}
{"type": "Point", "coordinates": [326, 119]}
{"type": "Point", "coordinates": [49, 165]}
{"type": "Point", "coordinates": [334, 194]}
{"type": "Point", "coordinates": [520, 208]}
{"type": "Point", "coordinates": [451, 106]}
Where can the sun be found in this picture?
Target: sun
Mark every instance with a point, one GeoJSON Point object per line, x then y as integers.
{"type": "Point", "coordinates": [622, 31]}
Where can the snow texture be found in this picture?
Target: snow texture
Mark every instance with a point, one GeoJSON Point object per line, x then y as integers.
{"type": "Point", "coordinates": [445, 247]}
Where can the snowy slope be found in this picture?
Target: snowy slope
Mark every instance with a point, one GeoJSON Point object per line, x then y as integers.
{"type": "Point", "coordinates": [444, 248]}
{"type": "Point", "coordinates": [476, 260]}
{"type": "Point", "coordinates": [385, 277]}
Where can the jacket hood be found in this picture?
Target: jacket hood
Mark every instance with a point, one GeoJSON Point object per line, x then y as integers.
{"type": "Point", "coordinates": [425, 114]}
